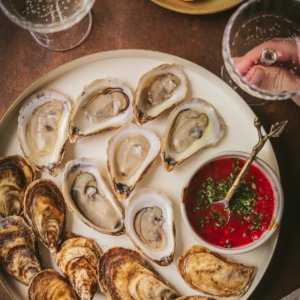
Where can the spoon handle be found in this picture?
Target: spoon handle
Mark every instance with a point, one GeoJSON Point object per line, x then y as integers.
{"type": "Point", "coordinates": [275, 131]}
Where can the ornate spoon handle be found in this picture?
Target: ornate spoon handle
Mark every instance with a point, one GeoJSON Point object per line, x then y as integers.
{"type": "Point", "coordinates": [275, 131]}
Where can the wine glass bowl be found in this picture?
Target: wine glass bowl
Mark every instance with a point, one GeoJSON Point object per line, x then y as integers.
{"type": "Point", "coordinates": [55, 24]}
{"type": "Point", "coordinates": [261, 29]}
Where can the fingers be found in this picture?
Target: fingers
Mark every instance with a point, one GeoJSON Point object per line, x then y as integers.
{"type": "Point", "coordinates": [258, 77]}
{"type": "Point", "coordinates": [287, 49]}
{"type": "Point", "coordinates": [244, 65]}
{"type": "Point", "coordinates": [274, 79]}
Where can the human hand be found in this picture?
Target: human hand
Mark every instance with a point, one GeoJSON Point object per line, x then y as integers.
{"type": "Point", "coordinates": [272, 78]}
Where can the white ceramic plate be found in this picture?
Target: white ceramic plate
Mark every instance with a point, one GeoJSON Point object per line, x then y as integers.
{"type": "Point", "coordinates": [129, 66]}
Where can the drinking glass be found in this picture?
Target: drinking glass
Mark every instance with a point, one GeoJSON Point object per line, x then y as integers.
{"type": "Point", "coordinates": [58, 25]}
{"type": "Point", "coordinates": [261, 51]}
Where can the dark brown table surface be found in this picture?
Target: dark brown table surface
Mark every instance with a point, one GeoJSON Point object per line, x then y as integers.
{"type": "Point", "coordinates": [140, 24]}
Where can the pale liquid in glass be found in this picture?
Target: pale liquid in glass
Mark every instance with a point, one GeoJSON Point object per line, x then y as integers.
{"type": "Point", "coordinates": [260, 29]}
{"type": "Point", "coordinates": [46, 11]}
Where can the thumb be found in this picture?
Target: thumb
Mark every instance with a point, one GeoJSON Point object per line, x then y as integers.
{"type": "Point", "coordinates": [273, 79]}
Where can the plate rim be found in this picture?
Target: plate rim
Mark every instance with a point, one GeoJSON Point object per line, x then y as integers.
{"type": "Point", "coordinates": [197, 12]}
{"type": "Point", "coordinates": [121, 51]}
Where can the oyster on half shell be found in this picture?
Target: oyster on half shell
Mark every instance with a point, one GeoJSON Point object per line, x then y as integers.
{"type": "Point", "coordinates": [124, 275]}
{"type": "Point", "coordinates": [43, 129]}
{"type": "Point", "coordinates": [191, 126]}
{"type": "Point", "coordinates": [213, 274]}
{"type": "Point", "coordinates": [50, 285]}
{"type": "Point", "coordinates": [19, 252]}
{"type": "Point", "coordinates": [150, 225]}
{"type": "Point", "coordinates": [131, 151]}
{"type": "Point", "coordinates": [77, 257]}
{"type": "Point", "coordinates": [45, 210]}
{"type": "Point", "coordinates": [104, 104]}
{"type": "Point", "coordinates": [89, 197]}
{"type": "Point", "coordinates": [158, 90]}
{"type": "Point", "coordinates": [15, 176]}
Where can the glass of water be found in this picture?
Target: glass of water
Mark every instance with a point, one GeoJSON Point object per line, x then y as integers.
{"type": "Point", "coordinates": [261, 51]}
{"type": "Point", "coordinates": [58, 25]}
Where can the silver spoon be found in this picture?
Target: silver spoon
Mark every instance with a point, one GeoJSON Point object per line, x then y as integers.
{"type": "Point", "coordinates": [276, 130]}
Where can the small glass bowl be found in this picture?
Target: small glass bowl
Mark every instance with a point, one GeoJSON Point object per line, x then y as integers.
{"type": "Point", "coordinates": [278, 209]}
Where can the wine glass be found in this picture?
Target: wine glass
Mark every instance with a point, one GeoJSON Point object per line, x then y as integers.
{"type": "Point", "coordinates": [261, 51]}
{"type": "Point", "coordinates": [58, 25]}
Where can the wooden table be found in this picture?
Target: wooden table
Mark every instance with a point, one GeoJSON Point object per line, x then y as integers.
{"type": "Point", "coordinates": [140, 24]}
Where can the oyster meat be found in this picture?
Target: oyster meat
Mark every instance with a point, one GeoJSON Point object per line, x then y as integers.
{"type": "Point", "coordinates": [124, 275]}
{"type": "Point", "coordinates": [213, 274]}
{"type": "Point", "coordinates": [158, 90]}
{"type": "Point", "coordinates": [77, 257]}
{"type": "Point", "coordinates": [15, 176]}
{"type": "Point", "coordinates": [89, 197]}
{"type": "Point", "coordinates": [104, 104]}
{"type": "Point", "coordinates": [150, 225]}
{"type": "Point", "coordinates": [45, 210]}
{"type": "Point", "coordinates": [131, 151]}
{"type": "Point", "coordinates": [191, 126]}
{"type": "Point", "coordinates": [19, 253]}
{"type": "Point", "coordinates": [50, 285]}
{"type": "Point", "coordinates": [43, 129]}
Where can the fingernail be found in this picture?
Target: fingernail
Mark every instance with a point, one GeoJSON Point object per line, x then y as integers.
{"type": "Point", "coordinates": [257, 77]}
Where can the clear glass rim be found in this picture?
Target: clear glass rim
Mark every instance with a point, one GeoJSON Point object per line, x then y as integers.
{"type": "Point", "coordinates": [236, 75]}
{"type": "Point", "coordinates": [52, 27]}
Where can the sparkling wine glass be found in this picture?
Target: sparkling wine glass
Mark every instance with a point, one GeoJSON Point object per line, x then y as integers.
{"type": "Point", "coordinates": [261, 51]}
{"type": "Point", "coordinates": [58, 25]}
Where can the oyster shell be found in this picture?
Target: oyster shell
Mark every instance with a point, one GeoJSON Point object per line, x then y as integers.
{"type": "Point", "coordinates": [158, 90]}
{"type": "Point", "coordinates": [50, 285]}
{"type": "Point", "coordinates": [213, 274]}
{"type": "Point", "coordinates": [89, 198]}
{"type": "Point", "coordinates": [45, 210]}
{"type": "Point", "coordinates": [131, 151]}
{"type": "Point", "coordinates": [150, 225]}
{"type": "Point", "coordinates": [42, 129]}
{"type": "Point", "coordinates": [123, 275]}
{"type": "Point", "coordinates": [15, 176]}
{"type": "Point", "coordinates": [77, 257]}
{"type": "Point", "coordinates": [19, 253]}
{"type": "Point", "coordinates": [191, 126]}
{"type": "Point", "coordinates": [104, 104]}
{"type": "Point", "coordinates": [194, 298]}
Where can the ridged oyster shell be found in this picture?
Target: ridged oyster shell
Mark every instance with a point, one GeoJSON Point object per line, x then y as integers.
{"type": "Point", "coordinates": [45, 210]}
{"type": "Point", "coordinates": [77, 257]}
{"type": "Point", "coordinates": [50, 285]}
{"type": "Point", "coordinates": [87, 120]}
{"type": "Point", "coordinates": [100, 211]}
{"type": "Point", "coordinates": [15, 176]}
{"type": "Point", "coordinates": [123, 147]}
{"type": "Point", "coordinates": [19, 252]}
{"type": "Point", "coordinates": [124, 275]}
{"type": "Point", "coordinates": [153, 85]}
{"type": "Point", "coordinates": [213, 274]}
{"type": "Point", "coordinates": [43, 129]}
{"type": "Point", "coordinates": [157, 244]}
{"type": "Point", "coordinates": [200, 136]}
{"type": "Point", "coordinates": [194, 298]}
